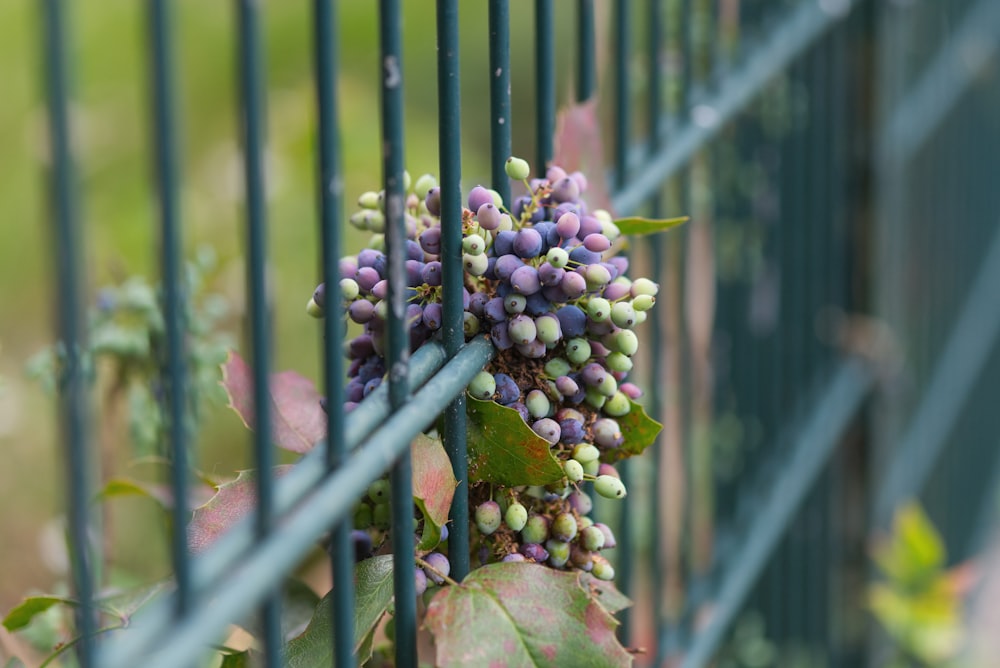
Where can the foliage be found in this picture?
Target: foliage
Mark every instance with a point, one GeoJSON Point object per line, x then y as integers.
{"type": "Point", "coordinates": [919, 602]}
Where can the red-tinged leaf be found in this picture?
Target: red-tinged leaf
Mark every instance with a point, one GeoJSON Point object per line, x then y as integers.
{"type": "Point", "coordinates": [433, 487]}
{"type": "Point", "coordinates": [638, 226]}
{"type": "Point", "coordinates": [521, 614]}
{"type": "Point", "coordinates": [297, 420]}
{"type": "Point", "coordinates": [504, 450]}
{"type": "Point", "coordinates": [639, 431]}
{"type": "Point", "coordinates": [579, 146]}
{"type": "Point", "coordinates": [605, 593]}
{"type": "Point", "coordinates": [232, 502]}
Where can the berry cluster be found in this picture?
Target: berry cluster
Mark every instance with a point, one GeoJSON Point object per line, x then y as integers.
{"type": "Point", "coordinates": [543, 282]}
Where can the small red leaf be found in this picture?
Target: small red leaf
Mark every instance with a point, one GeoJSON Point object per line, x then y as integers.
{"type": "Point", "coordinates": [433, 486]}
{"type": "Point", "coordinates": [297, 420]}
{"type": "Point", "coordinates": [232, 502]}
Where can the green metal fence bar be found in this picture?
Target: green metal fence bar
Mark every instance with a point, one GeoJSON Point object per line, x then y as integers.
{"type": "Point", "coordinates": [397, 334]}
{"type": "Point", "coordinates": [252, 90]}
{"type": "Point", "coordinates": [786, 42]}
{"type": "Point", "coordinates": [545, 84]}
{"type": "Point", "coordinates": [174, 289]}
{"type": "Point", "coordinates": [586, 69]}
{"type": "Point", "coordinates": [832, 412]}
{"type": "Point", "coordinates": [453, 273]}
{"type": "Point", "coordinates": [330, 186]}
{"type": "Point", "coordinates": [67, 238]}
{"type": "Point", "coordinates": [500, 121]}
{"type": "Point", "coordinates": [250, 577]}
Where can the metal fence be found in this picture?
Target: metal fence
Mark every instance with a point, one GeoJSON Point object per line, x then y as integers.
{"type": "Point", "coordinates": [838, 159]}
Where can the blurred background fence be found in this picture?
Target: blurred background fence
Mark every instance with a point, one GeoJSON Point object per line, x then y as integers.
{"type": "Point", "coordinates": [825, 346]}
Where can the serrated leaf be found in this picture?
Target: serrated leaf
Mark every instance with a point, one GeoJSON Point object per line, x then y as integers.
{"type": "Point", "coordinates": [519, 614]}
{"type": "Point", "coordinates": [637, 226]}
{"type": "Point", "coordinates": [235, 659]}
{"type": "Point", "coordinates": [232, 502]}
{"type": "Point", "coordinates": [605, 593]}
{"type": "Point", "coordinates": [297, 420]}
{"type": "Point", "coordinates": [504, 450]}
{"type": "Point", "coordinates": [372, 595]}
{"type": "Point", "coordinates": [639, 431]}
{"type": "Point", "coordinates": [22, 614]}
{"type": "Point", "coordinates": [434, 486]}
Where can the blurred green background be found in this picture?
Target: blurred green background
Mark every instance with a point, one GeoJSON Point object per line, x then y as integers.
{"type": "Point", "coordinates": [111, 127]}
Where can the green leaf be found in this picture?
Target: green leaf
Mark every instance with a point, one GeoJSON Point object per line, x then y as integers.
{"type": "Point", "coordinates": [433, 487]}
{"type": "Point", "coordinates": [636, 225]}
{"type": "Point", "coordinates": [639, 431]}
{"type": "Point", "coordinates": [372, 595]}
{"type": "Point", "coordinates": [520, 614]}
{"type": "Point", "coordinates": [504, 450]}
{"type": "Point", "coordinates": [235, 659]}
{"type": "Point", "coordinates": [25, 611]}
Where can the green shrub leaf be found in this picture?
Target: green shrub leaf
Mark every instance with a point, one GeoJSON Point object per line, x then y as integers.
{"type": "Point", "coordinates": [25, 611]}
{"type": "Point", "coordinates": [639, 226]}
{"type": "Point", "coordinates": [504, 450]}
{"type": "Point", "coordinates": [521, 614]}
{"type": "Point", "coordinates": [372, 595]}
{"type": "Point", "coordinates": [639, 431]}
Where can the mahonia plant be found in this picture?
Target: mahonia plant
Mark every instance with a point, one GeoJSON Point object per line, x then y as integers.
{"type": "Point", "coordinates": [543, 282]}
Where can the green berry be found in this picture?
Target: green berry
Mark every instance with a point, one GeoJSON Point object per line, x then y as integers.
{"type": "Point", "coordinates": [369, 200]}
{"type": "Point", "coordinates": [643, 302]}
{"type": "Point", "coordinates": [644, 286]}
{"type": "Point", "coordinates": [314, 309]}
{"type": "Point", "coordinates": [618, 405]}
{"type": "Point", "coordinates": [474, 244]}
{"type": "Point", "coordinates": [349, 289]}
{"type": "Point", "coordinates": [608, 386]}
{"type": "Point", "coordinates": [517, 168]}
{"type": "Point", "coordinates": [423, 184]}
{"type": "Point", "coordinates": [599, 309]}
{"type": "Point", "coordinates": [536, 530]}
{"type": "Point", "coordinates": [564, 527]}
{"type": "Point", "coordinates": [362, 516]}
{"type": "Point", "coordinates": [537, 404]}
{"type": "Point", "coordinates": [482, 385]}
{"type": "Point", "coordinates": [488, 517]}
{"type": "Point", "coordinates": [626, 342]}
{"type": "Point", "coordinates": [559, 552]}
{"type": "Point", "coordinates": [556, 367]}
{"type": "Point", "coordinates": [557, 257]}
{"type": "Point", "coordinates": [585, 452]}
{"type": "Point", "coordinates": [595, 398]}
{"type": "Point", "coordinates": [623, 315]}
{"type": "Point", "coordinates": [592, 538]}
{"type": "Point", "coordinates": [609, 487]}
{"type": "Point", "coordinates": [470, 324]}
{"type": "Point", "coordinates": [378, 491]}
{"type": "Point", "coordinates": [602, 570]}
{"type": "Point", "coordinates": [578, 350]}
{"type": "Point", "coordinates": [592, 467]}
{"type": "Point", "coordinates": [617, 361]}
{"type": "Point", "coordinates": [380, 515]}
{"type": "Point", "coordinates": [573, 470]}
{"type": "Point", "coordinates": [516, 516]}
{"type": "Point", "coordinates": [475, 265]}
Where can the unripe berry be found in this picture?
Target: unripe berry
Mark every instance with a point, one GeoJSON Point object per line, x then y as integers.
{"type": "Point", "coordinates": [488, 517]}
{"type": "Point", "coordinates": [609, 487]}
{"type": "Point", "coordinates": [536, 529]}
{"type": "Point", "coordinates": [573, 470]}
{"type": "Point", "coordinates": [586, 452]}
{"type": "Point", "coordinates": [563, 527]}
{"type": "Point", "coordinates": [602, 570]}
{"type": "Point", "coordinates": [517, 168]}
{"type": "Point", "coordinates": [516, 516]}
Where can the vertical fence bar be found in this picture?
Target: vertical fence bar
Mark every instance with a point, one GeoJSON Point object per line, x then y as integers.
{"type": "Point", "coordinates": [654, 110]}
{"type": "Point", "coordinates": [545, 84]}
{"type": "Point", "coordinates": [330, 187]}
{"type": "Point", "coordinates": [252, 87]}
{"type": "Point", "coordinates": [397, 357]}
{"type": "Point", "coordinates": [586, 69]}
{"type": "Point", "coordinates": [450, 164]}
{"type": "Point", "coordinates": [73, 395]}
{"type": "Point", "coordinates": [499, 18]}
{"type": "Point", "coordinates": [174, 290]}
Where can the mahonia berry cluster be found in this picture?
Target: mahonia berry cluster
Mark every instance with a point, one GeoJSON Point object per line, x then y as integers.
{"type": "Point", "coordinates": [543, 283]}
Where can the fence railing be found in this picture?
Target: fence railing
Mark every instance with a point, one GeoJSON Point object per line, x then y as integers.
{"type": "Point", "coordinates": [756, 118]}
